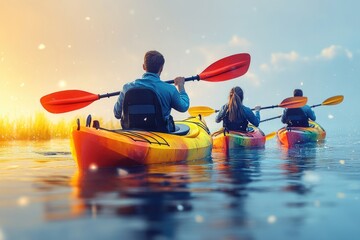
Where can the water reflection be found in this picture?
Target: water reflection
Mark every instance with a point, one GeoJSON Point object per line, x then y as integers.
{"type": "Point", "coordinates": [152, 196]}
{"type": "Point", "coordinates": [299, 164]}
{"type": "Point", "coordinates": [237, 171]}
{"type": "Point", "coordinates": [253, 194]}
{"type": "Point", "coordinates": [241, 166]}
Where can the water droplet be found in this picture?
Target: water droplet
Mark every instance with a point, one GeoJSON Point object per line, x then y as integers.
{"type": "Point", "coordinates": [93, 167]}
{"type": "Point", "coordinates": [199, 219]}
{"type": "Point", "coordinates": [340, 195]}
{"type": "Point", "coordinates": [271, 219]}
{"type": "Point", "coordinates": [23, 201]}
{"type": "Point", "coordinates": [180, 207]}
{"type": "Point", "coordinates": [41, 46]}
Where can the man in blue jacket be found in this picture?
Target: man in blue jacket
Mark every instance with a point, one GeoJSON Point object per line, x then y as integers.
{"type": "Point", "coordinates": [298, 117]}
{"type": "Point", "coordinates": [169, 96]}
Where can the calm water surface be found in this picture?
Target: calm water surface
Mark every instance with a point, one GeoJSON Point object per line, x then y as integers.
{"type": "Point", "coordinates": [303, 193]}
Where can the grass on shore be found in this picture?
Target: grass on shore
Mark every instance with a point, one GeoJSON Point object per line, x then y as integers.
{"type": "Point", "coordinates": [39, 127]}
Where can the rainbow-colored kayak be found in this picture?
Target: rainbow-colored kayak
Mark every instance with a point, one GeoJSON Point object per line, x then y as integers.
{"type": "Point", "coordinates": [252, 138]}
{"type": "Point", "coordinates": [290, 136]}
{"type": "Point", "coordinates": [95, 148]}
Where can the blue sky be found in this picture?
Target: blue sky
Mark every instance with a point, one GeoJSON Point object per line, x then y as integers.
{"type": "Point", "coordinates": [97, 46]}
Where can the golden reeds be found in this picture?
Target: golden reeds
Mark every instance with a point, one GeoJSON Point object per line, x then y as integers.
{"type": "Point", "coordinates": [39, 127]}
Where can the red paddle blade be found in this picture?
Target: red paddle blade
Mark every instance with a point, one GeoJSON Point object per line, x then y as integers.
{"type": "Point", "coordinates": [293, 102]}
{"type": "Point", "coordinates": [68, 100]}
{"type": "Point", "coordinates": [227, 68]}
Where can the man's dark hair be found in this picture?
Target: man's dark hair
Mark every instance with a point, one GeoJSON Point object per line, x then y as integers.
{"type": "Point", "coordinates": [153, 61]}
{"type": "Point", "coordinates": [298, 93]}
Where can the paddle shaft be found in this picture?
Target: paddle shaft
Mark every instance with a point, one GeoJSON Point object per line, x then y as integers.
{"type": "Point", "coordinates": [268, 119]}
{"type": "Point", "coordinates": [273, 106]}
{"type": "Point", "coordinates": [193, 78]}
{"type": "Point", "coordinates": [107, 95]}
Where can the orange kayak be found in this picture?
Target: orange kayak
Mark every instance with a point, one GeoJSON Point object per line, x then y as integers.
{"type": "Point", "coordinates": [290, 136]}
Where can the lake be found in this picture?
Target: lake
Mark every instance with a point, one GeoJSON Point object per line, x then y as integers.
{"type": "Point", "coordinates": [310, 192]}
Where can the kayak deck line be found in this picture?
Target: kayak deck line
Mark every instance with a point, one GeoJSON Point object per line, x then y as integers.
{"type": "Point", "coordinates": [136, 136]}
{"type": "Point", "coordinates": [248, 133]}
{"type": "Point", "coordinates": [199, 124]}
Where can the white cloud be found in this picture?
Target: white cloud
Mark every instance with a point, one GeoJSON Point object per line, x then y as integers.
{"type": "Point", "coordinates": [348, 53]}
{"type": "Point", "coordinates": [276, 58]}
{"type": "Point", "coordinates": [335, 50]}
{"type": "Point", "coordinates": [279, 59]}
{"type": "Point", "coordinates": [212, 52]}
{"type": "Point", "coordinates": [330, 52]}
{"type": "Point", "coordinates": [239, 41]}
{"type": "Point", "coordinates": [265, 67]}
{"type": "Point", "coordinates": [253, 78]}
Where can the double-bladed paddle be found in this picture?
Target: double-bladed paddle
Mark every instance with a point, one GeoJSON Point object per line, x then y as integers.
{"type": "Point", "coordinates": [224, 69]}
{"type": "Point", "coordinates": [291, 102]}
{"type": "Point", "coordinates": [329, 101]}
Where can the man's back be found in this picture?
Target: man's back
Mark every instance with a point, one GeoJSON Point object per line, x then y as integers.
{"type": "Point", "coordinates": [169, 97]}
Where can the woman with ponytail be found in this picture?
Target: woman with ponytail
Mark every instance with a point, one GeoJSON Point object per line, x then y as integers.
{"type": "Point", "coordinates": [235, 115]}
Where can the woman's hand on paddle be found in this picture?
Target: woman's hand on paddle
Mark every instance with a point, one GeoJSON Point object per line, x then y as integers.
{"type": "Point", "coordinates": [179, 83]}
{"type": "Point", "coordinates": [257, 108]}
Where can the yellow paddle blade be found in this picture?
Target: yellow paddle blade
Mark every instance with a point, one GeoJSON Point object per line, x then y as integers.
{"type": "Point", "coordinates": [333, 100]}
{"type": "Point", "coordinates": [202, 110]}
{"type": "Point", "coordinates": [270, 135]}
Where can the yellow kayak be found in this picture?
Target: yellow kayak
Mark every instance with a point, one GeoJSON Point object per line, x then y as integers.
{"type": "Point", "coordinates": [95, 148]}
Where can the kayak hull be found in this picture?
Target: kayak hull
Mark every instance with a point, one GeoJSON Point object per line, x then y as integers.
{"type": "Point", "coordinates": [100, 148]}
{"type": "Point", "coordinates": [255, 138]}
{"type": "Point", "coordinates": [291, 136]}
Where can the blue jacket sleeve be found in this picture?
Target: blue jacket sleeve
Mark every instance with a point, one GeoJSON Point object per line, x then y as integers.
{"type": "Point", "coordinates": [222, 112]}
{"type": "Point", "coordinates": [309, 112]}
{"type": "Point", "coordinates": [254, 119]}
{"type": "Point", "coordinates": [180, 101]}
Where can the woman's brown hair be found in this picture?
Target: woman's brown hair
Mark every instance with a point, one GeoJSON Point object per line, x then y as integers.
{"type": "Point", "coordinates": [235, 110]}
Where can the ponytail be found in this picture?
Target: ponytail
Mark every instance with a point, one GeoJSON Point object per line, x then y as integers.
{"type": "Point", "coordinates": [235, 110]}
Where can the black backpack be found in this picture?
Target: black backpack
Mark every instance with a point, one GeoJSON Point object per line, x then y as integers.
{"type": "Point", "coordinates": [296, 117]}
{"type": "Point", "coordinates": [142, 110]}
{"type": "Point", "coordinates": [234, 126]}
